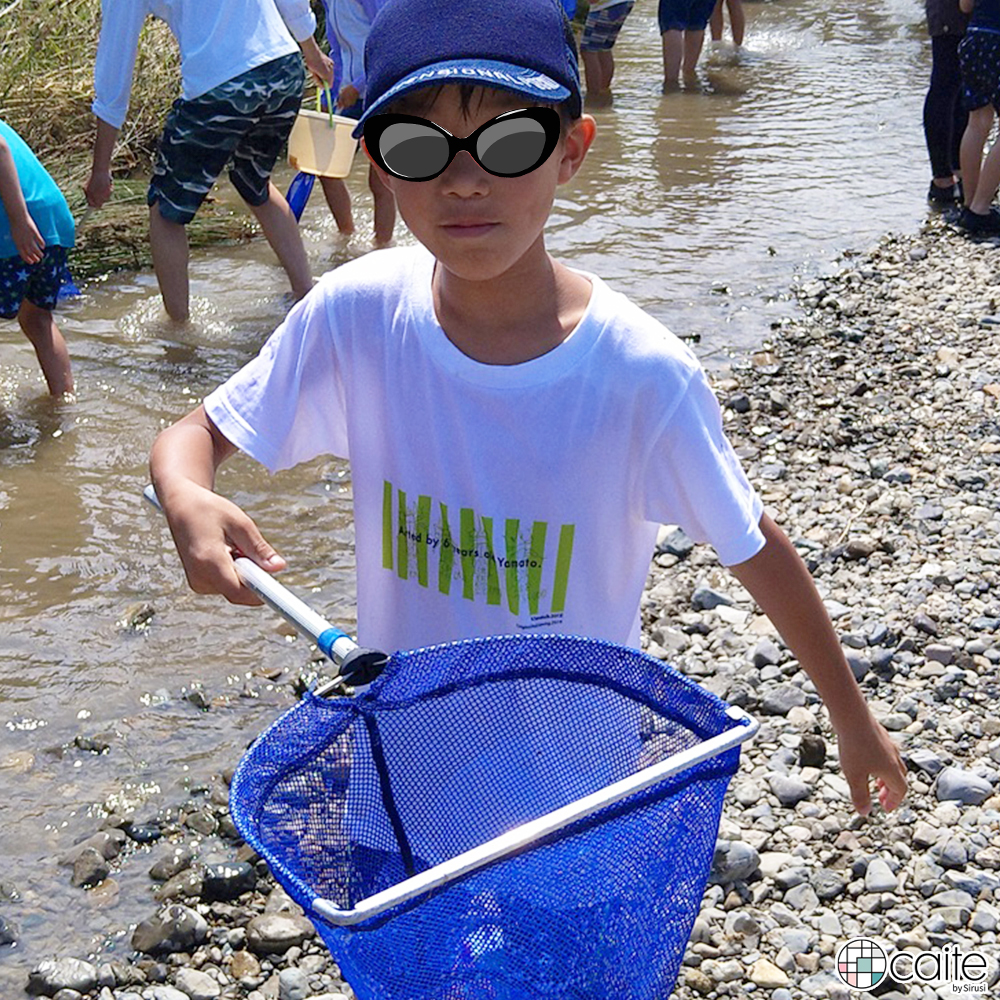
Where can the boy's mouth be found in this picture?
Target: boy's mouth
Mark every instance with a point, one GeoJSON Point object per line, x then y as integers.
{"type": "Point", "coordinates": [468, 228]}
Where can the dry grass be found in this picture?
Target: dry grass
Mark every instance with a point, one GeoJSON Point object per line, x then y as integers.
{"type": "Point", "coordinates": [47, 50]}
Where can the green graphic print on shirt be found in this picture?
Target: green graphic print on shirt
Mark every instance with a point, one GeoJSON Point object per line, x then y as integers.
{"type": "Point", "coordinates": [501, 562]}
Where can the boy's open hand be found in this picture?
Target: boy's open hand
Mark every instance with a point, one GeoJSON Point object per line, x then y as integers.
{"type": "Point", "coordinates": [865, 752]}
{"type": "Point", "coordinates": [208, 531]}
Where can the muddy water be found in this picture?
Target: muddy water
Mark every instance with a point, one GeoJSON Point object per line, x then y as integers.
{"type": "Point", "coordinates": [704, 206]}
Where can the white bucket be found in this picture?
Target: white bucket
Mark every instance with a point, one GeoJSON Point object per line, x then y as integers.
{"type": "Point", "coordinates": [317, 147]}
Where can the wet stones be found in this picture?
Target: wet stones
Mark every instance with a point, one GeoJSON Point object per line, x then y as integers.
{"type": "Point", "coordinates": [173, 928]}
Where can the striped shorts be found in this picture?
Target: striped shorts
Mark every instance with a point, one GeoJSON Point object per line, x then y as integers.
{"type": "Point", "coordinates": [243, 122]}
{"type": "Point", "coordinates": [600, 31]}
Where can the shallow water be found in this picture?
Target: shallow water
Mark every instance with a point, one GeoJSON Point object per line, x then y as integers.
{"type": "Point", "coordinates": [704, 206]}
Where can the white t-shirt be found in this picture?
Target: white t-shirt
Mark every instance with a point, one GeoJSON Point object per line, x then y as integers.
{"type": "Point", "coordinates": [493, 499]}
{"type": "Point", "coordinates": [218, 41]}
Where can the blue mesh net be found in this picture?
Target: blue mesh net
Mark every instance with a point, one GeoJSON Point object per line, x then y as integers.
{"type": "Point", "coordinates": [456, 744]}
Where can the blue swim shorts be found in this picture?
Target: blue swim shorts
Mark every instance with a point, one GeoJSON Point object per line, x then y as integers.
{"type": "Point", "coordinates": [979, 61]}
{"type": "Point", "coordinates": [38, 283]}
{"type": "Point", "coordinates": [600, 31]}
{"type": "Point", "coordinates": [244, 121]}
{"type": "Point", "coordinates": [684, 15]}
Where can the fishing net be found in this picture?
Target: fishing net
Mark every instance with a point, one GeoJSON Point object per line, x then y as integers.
{"type": "Point", "coordinates": [456, 744]}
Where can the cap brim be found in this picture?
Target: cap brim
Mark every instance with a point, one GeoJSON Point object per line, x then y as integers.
{"type": "Point", "coordinates": [485, 72]}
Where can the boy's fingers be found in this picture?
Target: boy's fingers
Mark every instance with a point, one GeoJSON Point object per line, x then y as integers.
{"type": "Point", "coordinates": [246, 537]}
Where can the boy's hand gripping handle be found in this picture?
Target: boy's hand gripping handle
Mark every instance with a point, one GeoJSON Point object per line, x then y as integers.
{"type": "Point", "coordinates": [355, 665]}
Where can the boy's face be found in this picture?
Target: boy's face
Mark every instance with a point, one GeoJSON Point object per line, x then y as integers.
{"type": "Point", "coordinates": [477, 225]}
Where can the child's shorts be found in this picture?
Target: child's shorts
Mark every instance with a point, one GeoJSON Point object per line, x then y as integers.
{"type": "Point", "coordinates": [684, 15]}
{"type": "Point", "coordinates": [601, 28]}
{"type": "Point", "coordinates": [245, 120]}
{"type": "Point", "coordinates": [38, 283]}
{"type": "Point", "coordinates": [979, 60]}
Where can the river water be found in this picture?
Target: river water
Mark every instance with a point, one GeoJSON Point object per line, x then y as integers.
{"type": "Point", "coordinates": [704, 206]}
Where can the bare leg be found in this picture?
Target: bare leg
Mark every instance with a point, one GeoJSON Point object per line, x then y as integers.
{"type": "Point", "coordinates": [971, 151]}
{"type": "Point", "coordinates": [737, 20]}
{"type": "Point", "coordinates": [385, 208]}
{"type": "Point", "coordinates": [169, 245]}
{"type": "Point", "coordinates": [592, 72]}
{"type": "Point", "coordinates": [40, 328]}
{"type": "Point", "coordinates": [599, 68]}
{"type": "Point", "coordinates": [339, 199]}
{"type": "Point", "coordinates": [715, 21]}
{"type": "Point", "coordinates": [989, 181]}
{"type": "Point", "coordinates": [673, 53]}
{"type": "Point", "coordinates": [282, 232]}
{"type": "Point", "coordinates": [693, 42]}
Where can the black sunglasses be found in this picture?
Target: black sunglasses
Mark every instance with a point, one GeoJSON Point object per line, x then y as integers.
{"type": "Point", "coordinates": [415, 149]}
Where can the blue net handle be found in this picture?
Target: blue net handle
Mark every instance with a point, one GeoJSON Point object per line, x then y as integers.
{"type": "Point", "coordinates": [523, 836]}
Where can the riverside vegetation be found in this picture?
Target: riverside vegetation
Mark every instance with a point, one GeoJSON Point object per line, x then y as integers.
{"type": "Point", "coordinates": [870, 422]}
{"type": "Point", "coordinates": [47, 50]}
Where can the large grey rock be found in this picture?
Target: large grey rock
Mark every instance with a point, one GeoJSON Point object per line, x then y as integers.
{"type": "Point", "coordinates": [275, 933]}
{"type": "Point", "coordinates": [789, 789]}
{"type": "Point", "coordinates": [879, 877]}
{"type": "Point", "coordinates": [197, 985]}
{"type": "Point", "coordinates": [954, 783]}
{"type": "Point", "coordinates": [53, 975]}
{"type": "Point", "coordinates": [293, 984]}
{"type": "Point", "coordinates": [733, 861]}
{"type": "Point", "coordinates": [174, 928]}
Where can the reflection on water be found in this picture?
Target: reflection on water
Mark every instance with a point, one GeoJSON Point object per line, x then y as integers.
{"type": "Point", "coordinates": [703, 206]}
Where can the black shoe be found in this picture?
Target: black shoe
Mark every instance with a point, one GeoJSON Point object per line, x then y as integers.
{"type": "Point", "coordinates": [979, 225]}
{"type": "Point", "coordinates": [943, 195]}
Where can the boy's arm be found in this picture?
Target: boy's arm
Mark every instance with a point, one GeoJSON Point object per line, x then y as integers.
{"type": "Point", "coordinates": [99, 184]}
{"type": "Point", "coordinates": [206, 527]}
{"type": "Point", "coordinates": [28, 240]}
{"type": "Point", "coordinates": [780, 583]}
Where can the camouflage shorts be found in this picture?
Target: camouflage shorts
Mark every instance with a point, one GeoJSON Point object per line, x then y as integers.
{"type": "Point", "coordinates": [243, 122]}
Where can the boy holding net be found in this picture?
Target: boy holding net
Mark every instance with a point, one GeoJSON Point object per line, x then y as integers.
{"type": "Point", "coordinates": [516, 430]}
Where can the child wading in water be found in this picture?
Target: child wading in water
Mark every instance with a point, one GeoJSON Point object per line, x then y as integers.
{"type": "Point", "coordinates": [483, 390]}
{"type": "Point", "coordinates": [36, 230]}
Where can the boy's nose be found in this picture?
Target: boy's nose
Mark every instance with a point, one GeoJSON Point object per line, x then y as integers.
{"type": "Point", "coordinates": [464, 176]}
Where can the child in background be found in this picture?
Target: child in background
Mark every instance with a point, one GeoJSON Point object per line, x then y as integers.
{"type": "Point", "coordinates": [347, 25]}
{"type": "Point", "coordinates": [979, 58]}
{"type": "Point", "coordinates": [36, 230]}
{"type": "Point", "coordinates": [600, 32]}
{"type": "Point", "coordinates": [490, 399]}
{"type": "Point", "coordinates": [682, 28]}
{"type": "Point", "coordinates": [737, 20]}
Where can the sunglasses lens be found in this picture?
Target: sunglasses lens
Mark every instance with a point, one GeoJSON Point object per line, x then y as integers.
{"type": "Point", "coordinates": [413, 150]}
{"type": "Point", "coordinates": [512, 147]}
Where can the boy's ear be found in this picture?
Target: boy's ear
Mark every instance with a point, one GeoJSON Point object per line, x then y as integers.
{"type": "Point", "coordinates": [575, 144]}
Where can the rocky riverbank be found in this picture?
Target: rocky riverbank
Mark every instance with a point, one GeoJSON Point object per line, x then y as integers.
{"type": "Point", "coordinates": [871, 426]}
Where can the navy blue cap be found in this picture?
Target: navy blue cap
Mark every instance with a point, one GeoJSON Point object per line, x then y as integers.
{"type": "Point", "coordinates": [525, 46]}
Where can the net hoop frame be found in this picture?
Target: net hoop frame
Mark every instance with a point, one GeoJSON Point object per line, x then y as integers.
{"type": "Point", "coordinates": [523, 836]}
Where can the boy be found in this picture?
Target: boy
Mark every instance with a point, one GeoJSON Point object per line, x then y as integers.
{"type": "Point", "coordinates": [242, 76]}
{"type": "Point", "coordinates": [516, 430]}
{"type": "Point", "coordinates": [36, 230]}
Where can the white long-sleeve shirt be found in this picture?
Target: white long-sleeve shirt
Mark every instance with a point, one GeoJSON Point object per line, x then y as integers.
{"type": "Point", "coordinates": [217, 41]}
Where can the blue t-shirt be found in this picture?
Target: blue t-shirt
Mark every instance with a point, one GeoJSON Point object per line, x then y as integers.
{"type": "Point", "coordinates": [986, 15]}
{"type": "Point", "coordinates": [46, 204]}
